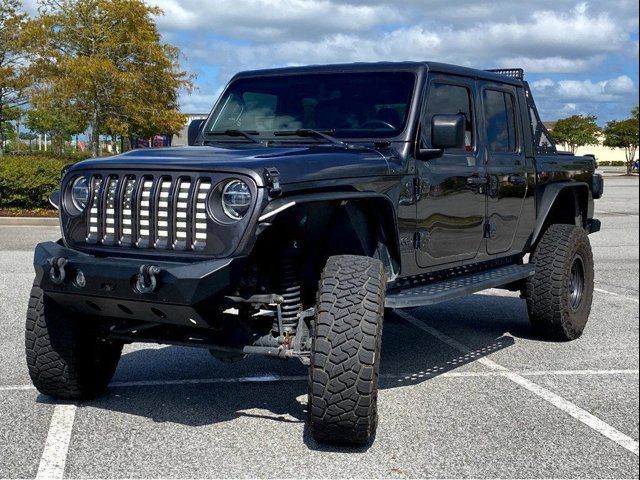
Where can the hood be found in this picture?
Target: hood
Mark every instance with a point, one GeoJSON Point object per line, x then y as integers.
{"type": "Point", "coordinates": [295, 164]}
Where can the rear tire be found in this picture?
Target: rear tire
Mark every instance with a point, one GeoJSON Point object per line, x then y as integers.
{"type": "Point", "coordinates": [345, 354]}
{"type": "Point", "coordinates": [560, 293]}
{"type": "Point", "coordinates": [65, 356]}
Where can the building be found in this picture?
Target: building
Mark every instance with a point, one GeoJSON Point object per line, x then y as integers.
{"type": "Point", "coordinates": [601, 152]}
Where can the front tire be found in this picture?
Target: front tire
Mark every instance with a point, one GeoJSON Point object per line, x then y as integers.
{"type": "Point", "coordinates": [345, 354]}
{"type": "Point", "coordinates": [65, 356]}
{"type": "Point", "coordinates": [560, 293]}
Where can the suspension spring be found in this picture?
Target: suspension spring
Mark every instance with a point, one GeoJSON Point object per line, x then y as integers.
{"type": "Point", "coordinates": [290, 289]}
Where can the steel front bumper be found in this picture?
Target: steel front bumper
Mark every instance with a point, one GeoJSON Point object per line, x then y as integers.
{"type": "Point", "coordinates": [177, 293]}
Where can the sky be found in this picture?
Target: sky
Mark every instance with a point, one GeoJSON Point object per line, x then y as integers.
{"type": "Point", "coordinates": [579, 57]}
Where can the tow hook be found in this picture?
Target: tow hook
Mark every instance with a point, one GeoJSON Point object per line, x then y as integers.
{"type": "Point", "coordinates": [57, 272]}
{"type": "Point", "coordinates": [146, 281]}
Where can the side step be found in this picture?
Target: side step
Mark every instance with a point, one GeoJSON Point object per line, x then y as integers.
{"type": "Point", "coordinates": [431, 293]}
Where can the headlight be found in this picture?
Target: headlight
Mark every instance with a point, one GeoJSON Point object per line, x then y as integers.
{"type": "Point", "coordinates": [79, 195]}
{"type": "Point", "coordinates": [236, 199]}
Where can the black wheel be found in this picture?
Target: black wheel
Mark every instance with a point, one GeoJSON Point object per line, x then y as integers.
{"type": "Point", "coordinates": [65, 356]}
{"type": "Point", "coordinates": [345, 354]}
{"type": "Point", "coordinates": [559, 295]}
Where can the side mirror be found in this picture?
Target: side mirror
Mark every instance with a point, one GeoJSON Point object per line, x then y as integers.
{"type": "Point", "coordinates": [447, 131]}
{"type": "Point", "coordinates": [194, 130]}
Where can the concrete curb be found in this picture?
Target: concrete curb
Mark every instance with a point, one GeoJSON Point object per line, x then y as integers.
{"type": "Point", "coordinates": [30, 221]}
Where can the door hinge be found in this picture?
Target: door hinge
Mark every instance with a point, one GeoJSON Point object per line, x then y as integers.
{"type": "Point", "coordinates": [416, 240]}
{"type": "Point", "coordinates": [421, 239]}
{"type": "Point", "coordinates": [490, 230]}
{"type": "Point", "coordinates": [272, 179]}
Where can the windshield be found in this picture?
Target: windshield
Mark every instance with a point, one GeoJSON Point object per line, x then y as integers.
{"type": "Point", "coordinates": [347, 105]}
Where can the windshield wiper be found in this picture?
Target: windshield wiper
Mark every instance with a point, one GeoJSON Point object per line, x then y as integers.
{"type": "Point", "coordinates": [249, 135]}
{"type": "Point", "coordinates": [309, 132]}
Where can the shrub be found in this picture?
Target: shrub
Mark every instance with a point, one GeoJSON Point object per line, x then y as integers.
{"type": "Point", "coordinates": [27, 181]}
{"type": "Point", "coordinates": [618, 163]}
{"type": "Point", "coordinates": [604, 163]}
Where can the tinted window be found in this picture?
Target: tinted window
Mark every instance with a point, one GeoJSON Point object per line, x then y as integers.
{"type": "Point", "coordinates": [448, 99]}
{"type": "Point", "coordinates": [371, 104]}
{"type": "Point", "coordinates": [499, 114]}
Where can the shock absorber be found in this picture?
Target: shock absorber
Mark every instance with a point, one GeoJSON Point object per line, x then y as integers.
{"type": "Point", "coordinates": [290, 289]}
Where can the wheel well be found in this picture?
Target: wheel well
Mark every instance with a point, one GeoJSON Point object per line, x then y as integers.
{"type": "Point", "coordinates": [318, 230]}
{"type": "Point", "coordinates": [569, 207]}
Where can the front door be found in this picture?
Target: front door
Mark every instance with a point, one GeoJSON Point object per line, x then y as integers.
{"type": "Point", "coordinates": [506, 165]}
{"type": "Point", "coordinates": [450, 189]}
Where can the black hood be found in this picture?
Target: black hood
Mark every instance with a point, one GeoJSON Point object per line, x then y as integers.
{"type": "Point", "coordinates": [295, 163]}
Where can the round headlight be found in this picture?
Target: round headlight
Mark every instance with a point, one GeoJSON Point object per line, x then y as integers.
{"type": "Point", "coordinates": [236, 199]}
{"type": "Point", "coordinates": [80, 193]}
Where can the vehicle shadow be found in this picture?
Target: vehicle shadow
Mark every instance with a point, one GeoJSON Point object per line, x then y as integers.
{"type": "Point", "coordinates": [189, 387]}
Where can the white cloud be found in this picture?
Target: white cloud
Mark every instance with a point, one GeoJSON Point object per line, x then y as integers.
{"type": "Point", "coordinates": [269, 20]}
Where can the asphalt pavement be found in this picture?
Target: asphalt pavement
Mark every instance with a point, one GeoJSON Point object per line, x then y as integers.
{"type": "Point", "coordinates": [467, 390]}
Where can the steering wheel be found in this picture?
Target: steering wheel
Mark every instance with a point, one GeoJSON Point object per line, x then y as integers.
{"type": "Point", "coordinates": [375, 122]}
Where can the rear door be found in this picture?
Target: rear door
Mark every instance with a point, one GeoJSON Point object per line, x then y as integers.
{"type": "Point", "coordinates": [450, 190]}
{"type": "Point", "coordinates": [506, 164]}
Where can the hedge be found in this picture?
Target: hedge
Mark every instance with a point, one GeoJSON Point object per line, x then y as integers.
{"type": "Point", "coordinates": [609, 163]}
{"type": "Point", "coordinates": [26, 181]}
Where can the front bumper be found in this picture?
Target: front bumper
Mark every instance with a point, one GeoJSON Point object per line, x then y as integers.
{"type": "Point", "coordinates": [184, 293]}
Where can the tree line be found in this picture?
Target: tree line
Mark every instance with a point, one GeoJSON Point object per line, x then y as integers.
{"type": "Point", "coordinates": [95, 66]}
{"type": "Point", "coordinates": [580, 130]}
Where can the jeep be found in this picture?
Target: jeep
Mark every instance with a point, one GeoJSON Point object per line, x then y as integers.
{"type": "Point", "coordinates": [309, 201]}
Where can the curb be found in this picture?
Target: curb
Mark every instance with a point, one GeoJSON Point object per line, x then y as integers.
{"type": "Point", "coordinates": [30, 221]}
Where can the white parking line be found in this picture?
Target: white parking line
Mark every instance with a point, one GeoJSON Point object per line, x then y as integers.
{"type": "Point", "coordinates": [600, 290]}
{"type": "Point", "coordinates": [556, 400]}
{"type": "Point", "coordinates": [56, 447]}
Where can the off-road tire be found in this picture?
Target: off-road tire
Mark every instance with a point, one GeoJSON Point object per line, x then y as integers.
{"type": "Point", "coordinates": [345, 354]}
{"type": "Point", "coordinates": [65, 356]}
{"type": "Point", "coordinates": [553, 311]}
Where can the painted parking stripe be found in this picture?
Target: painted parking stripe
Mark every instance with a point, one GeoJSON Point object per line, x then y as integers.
{"type": "Point", "coordinates": [607, 292]}
{"type": "Point", "coordinates": [56, 447]}
{"type": "Point", "coordinates": [556, 400]}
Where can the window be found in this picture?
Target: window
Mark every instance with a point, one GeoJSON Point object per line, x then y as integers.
{"type": "Point", "coordinates": [499, 116]}
{"type": "Point", "coordinates": [446, 99]}
{"type": "Point", "coordinates": [350, 105]}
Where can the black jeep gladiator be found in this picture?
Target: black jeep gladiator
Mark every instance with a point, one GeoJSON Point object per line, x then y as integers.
{"type": "Point", "coordinates": [311, 199]}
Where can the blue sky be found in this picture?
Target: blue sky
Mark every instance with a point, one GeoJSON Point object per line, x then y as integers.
{"type": "Point", "coordinates": [579, 57]}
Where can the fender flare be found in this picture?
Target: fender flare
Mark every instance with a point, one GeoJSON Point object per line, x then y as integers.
{"type": "Point", "coordinates": [279, 205]}
{"type": "Point", "coordinates": [548, 199]}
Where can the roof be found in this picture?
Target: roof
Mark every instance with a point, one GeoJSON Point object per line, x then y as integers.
{"type": "Point", "coordinates": [416, 67]}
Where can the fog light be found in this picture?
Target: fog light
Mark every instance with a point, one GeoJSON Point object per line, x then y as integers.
{"type": "Point", "coordinates": [79, 281]}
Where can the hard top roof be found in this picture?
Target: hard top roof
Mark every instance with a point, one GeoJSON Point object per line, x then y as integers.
{"type": "Point", "coordinates": [383, 66]}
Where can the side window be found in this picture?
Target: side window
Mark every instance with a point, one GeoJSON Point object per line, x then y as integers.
{"type": "Point", "coordinates": [448, 99]}
{"type": "Point", "coordinates": [500, 124]}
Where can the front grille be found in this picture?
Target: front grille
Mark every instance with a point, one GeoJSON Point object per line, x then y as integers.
{"type": "Point", "coordinates": [145, 211]}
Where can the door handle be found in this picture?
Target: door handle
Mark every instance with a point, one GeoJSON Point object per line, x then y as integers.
{"type": "Point", "coordinates": [477, 181]}
{"type": "Point", "coordinates": [517, 179]}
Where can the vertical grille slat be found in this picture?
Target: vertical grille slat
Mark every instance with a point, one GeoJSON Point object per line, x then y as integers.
{"type": "Point", "coordinates": [200, 215]}
{"type": "Point", "coordinates": [109, 209]}
{"type": "Point", "coordinates": [181, 214]}
{"type": "Point", "coordinates": [162, 214]}
{"type": "Point", "coordinates": [127, 210]}
{"type": "Point", "coordinates": [94, 219]}
{"type": "Point", "coordinates": [151, 212]}
{"type": "Point", "coordinates": [144, 213]}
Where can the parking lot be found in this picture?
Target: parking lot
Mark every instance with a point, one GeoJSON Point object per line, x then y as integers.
{"type": "Point", "coordinates": [466, 391]}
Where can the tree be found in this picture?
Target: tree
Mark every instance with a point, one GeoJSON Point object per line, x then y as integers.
{"type": "Point", "coordinates": [58, 120]}
{"type": "Point", "coordinates": [624, 134]}
{"type": "Point", "coordinates": [576, 131]}
{"type": "Point", "coordinates": [12, 61]}
{"type": "Point", "coordinates": [105, 59]}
